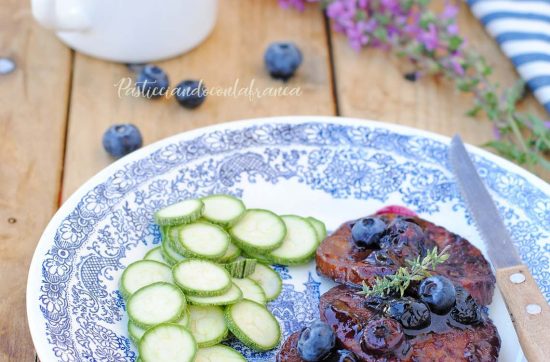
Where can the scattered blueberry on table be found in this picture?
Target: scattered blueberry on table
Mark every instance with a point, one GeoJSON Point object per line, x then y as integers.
{"type": "Point", "coordinates": [121, 139]}
{"type": "Point", "coordinates": [152, 81]}
{"type": "Point", "coordinates": [7, 65]}
{"type": "Point", "coordinates": [190, 93]}
{"type": "Point", "coordinates": [411, 76]}
{"type": "Point", "coordinates": [282, 59]}
{"type": "Point", "coordinates": [135, 67]}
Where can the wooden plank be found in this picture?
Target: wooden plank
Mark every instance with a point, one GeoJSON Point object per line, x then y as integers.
{"type": "Point", "coordinates": [33, 107]}
{"type": "Point", "coordinates": [233, 52]}
{"type": "Point", "coordinates": [370, 84]}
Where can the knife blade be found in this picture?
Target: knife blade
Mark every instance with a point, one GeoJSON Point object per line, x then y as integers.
{"type": "Point", "coordinates": [527, 306]}
{"type": "Point", "coordinates": [481, 205]}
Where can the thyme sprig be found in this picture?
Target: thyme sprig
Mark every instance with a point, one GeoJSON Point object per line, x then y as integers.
{"type": "Point", "coordinates": [415, 270]}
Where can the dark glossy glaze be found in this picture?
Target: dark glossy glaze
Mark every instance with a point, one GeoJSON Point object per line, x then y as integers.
{"type": "Point", "coordinates": [344, 310]}
{"type": "Point", "coordinates": [340, 260]}
{"type": "Point", "coordinates": [443, 340]}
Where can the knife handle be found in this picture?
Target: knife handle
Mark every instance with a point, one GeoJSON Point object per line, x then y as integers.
{"type": "Point", "coordinates": [529, 311]}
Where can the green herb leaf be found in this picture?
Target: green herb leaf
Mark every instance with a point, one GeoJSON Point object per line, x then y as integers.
{"type": "Point", "coordinates": [455, 42]}
{"type": "Point", "coordinates": [416, 270]}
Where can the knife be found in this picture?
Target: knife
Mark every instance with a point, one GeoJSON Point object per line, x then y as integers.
{"type": "Point", "coordinates": [527, 306]}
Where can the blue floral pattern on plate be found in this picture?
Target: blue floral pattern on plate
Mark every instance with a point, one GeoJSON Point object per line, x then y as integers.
{"type": "Point", "coordinates": [111, 225]}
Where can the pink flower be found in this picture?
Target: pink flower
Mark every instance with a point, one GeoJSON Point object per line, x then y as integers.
{"type": "Point", "coordinates": [429, 38]}
{"type": "Point", "coordinates": [367, 26]}
{"type": "Point", "coordinates": [336, 9]}
{"type": "Point", "coordinates": [452, 29]}
{"type": "Point", "coordinates": [496, 133]}
{"type": "Point", "coordinates": [456, 66]}
{"type": "Point", "coordinates": [357, 34]}
{"type": "Point", "coordinates": [450, 11]}
{"type": "Point", "coordinates": [392, 6]}
{"type": "Point", "coordinates": [363, 4]}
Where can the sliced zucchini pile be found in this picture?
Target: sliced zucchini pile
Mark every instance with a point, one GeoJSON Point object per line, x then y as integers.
{"type": "Point", "coordinates": [214, 255]}
{"type": "Point", "coordinates": [167, 342]}
{"type": "Point", "coordinates": [219, 353]}
{"type": "Point", "coordinates": [241, 268]}
{"type": "Point", "coordinates": [207, 325]}
{"type": "Point", "coordinates": [251, 290]}
{"type": "Point", "coordinates": [253, 325]}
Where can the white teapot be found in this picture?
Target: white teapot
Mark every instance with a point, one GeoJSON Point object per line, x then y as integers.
{"type": "Point", "coordinates": [129, 31]}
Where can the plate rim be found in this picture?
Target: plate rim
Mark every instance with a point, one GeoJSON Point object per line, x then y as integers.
{"type": "Point", "coordinates": [33, 318]}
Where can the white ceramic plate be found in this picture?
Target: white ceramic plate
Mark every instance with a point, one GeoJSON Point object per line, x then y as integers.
{"type": "Point", "coordinates": [332, 168]}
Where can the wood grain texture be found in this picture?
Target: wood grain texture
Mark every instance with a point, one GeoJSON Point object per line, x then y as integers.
{"type": "Point", "coordinates": [370, 84]}
{"type": "Point", "coordinates": [533, 329]}
{"type": "Point", "coordinates": [33, 107]}
{"type": "Point", "coordinates": [233, 52]}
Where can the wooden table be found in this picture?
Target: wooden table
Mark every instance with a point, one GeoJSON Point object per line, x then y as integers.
{"type": "Point", "coordinates": [55, 107]}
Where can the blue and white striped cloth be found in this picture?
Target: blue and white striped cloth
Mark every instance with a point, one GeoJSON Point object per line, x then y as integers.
{"type": "Point", "coordinates": [522, 28]}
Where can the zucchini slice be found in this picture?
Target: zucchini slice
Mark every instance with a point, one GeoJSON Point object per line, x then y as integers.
{"type": "Point", "coordinates": [167, 342]}
{"type": "Point", "coordinates": [156, 303]}
{"type": "Point", "coordinates": [233, 295]}
{"type": "Point", "coordinates": [142, 273]}
{"type": "Point", "coordinates": [232, 253]}
{"type": "Point", "coordinates": [268, 279]}
{"type": "Point", "coordinates": [135, 332]}
{"type": "Point", "coordinates": [223, 210]}
{"type": "Point", "coordinates": [155, 254]}
{"type": "Point", "coordinates": [251, 290]}
{"type": "Point", "coordinates": [253, 325]}
{"type": "Point", "coordinates": [170, 254]}
{"type": "Point", "coordinates": [201, 277]}
{"type": "Point", "coordinates": [207, 325]}
{"type": "Point", "coordinates": [219, 353]}
{"type": "Point", "coordinates": [201, 240]}
{"type": "Point", "coordinates": [184, 321]}
{"type": "Point", "coordinates": [299, 244]}
{"type": "Point", "coordinates": [262, 258]}
{"type": "Point", "coordinates": [180, 213]}
{"type": "Point", "coordinates": [258, 230]}
{"type": "Point", "coordinates": [319, 226]}
{"type": "Point", "coordinates": [241, 268]}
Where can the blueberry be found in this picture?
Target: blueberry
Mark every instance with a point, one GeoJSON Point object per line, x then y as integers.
{"type": "Point", "coordinates": [316, 341]}
{"type": "Point", "coordinates": [152, 82]}
{"type": "Point", "coordinates": [466, 310]}
{"type": "Point", "coordinates": [190, 93]}
{"type": "Point", "coordinates": [135, 67]}
{"type": "Point", "coordinates": [382, 335]}
{"type": "Point", "coordinates": [438, 292]}
{"type": "Point", "coordinates": [410, 313]}
{"type": "Point", "coordinates": [282, 59]}
{"type": "Point", "coordinates": [367, 232]}
{"type": "Point", "coordinates": [121, 139]}
{"type": "Point", "coordinates": [411, 77]}
{"type": "Point", "coordinates": [404, 232]}
{"type": "Point", "coordinates": [342, 355]}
